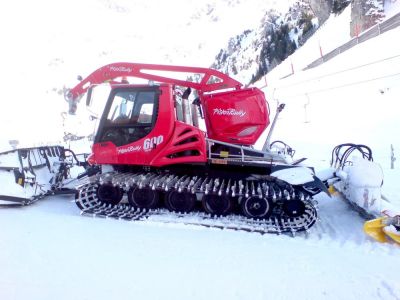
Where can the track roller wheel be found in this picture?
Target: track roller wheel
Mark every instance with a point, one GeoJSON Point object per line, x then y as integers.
{"type": "Point", "coordinates": [143, 198]}
{"type": "Point", "coordinates": [110, 194]}
{"type": "Point", "coordinates": [217, 205]}
{"type": "Point", "coordinates": [294, 208]}
{"type": "Point", "coordinates": [256, 207]}
{"type": "Point", "coordinates": [180, 202]}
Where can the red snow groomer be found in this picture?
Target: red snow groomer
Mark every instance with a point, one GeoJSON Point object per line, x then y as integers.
{"type": "Point", "coordinates": [182, 138]}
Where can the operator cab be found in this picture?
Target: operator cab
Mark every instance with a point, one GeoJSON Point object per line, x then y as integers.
{"type": "Point", "coordinates": [130, 114]}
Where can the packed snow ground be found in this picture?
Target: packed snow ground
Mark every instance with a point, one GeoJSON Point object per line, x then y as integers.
{"type": "Point", "coordinates": [49, 251]}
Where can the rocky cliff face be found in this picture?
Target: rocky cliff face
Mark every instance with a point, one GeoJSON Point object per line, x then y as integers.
{"type": "Point", "coordinates": [253, 53]}
{"type": "Point", "coordinates": [322, 9]}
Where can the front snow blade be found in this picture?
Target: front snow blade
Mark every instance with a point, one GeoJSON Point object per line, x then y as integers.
{"type": "Point", "coordinates": [13, 201]}
{"type": "Point", "coordinates": [375, 229]}
{"type": "Point", "coordinates": [28, 174]}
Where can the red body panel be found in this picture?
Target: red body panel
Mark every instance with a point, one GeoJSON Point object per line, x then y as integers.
{"type": "Point", "coordinates": [187, 145]}
{"type": "Point", "coordinates": [237, 117]}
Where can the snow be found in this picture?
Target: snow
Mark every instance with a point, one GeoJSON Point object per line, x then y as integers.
{"type": "Point", "coordinates": [391, 7]}
{"type": "Point", "coordinates": [365, 173]}
{"type": "Point", "coordinates": [49, 251]}
{"type": "Point", "coordinates": [298, 175]}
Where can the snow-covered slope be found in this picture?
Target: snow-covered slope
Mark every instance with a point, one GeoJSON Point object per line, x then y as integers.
{"type": "Point", "coordinates": [256, 51]}
{"type": "Point", "coordinates": [350, 98]}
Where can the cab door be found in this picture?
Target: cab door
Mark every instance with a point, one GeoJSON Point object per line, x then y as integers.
{"type": "Point", "coordinates": [136, 122]}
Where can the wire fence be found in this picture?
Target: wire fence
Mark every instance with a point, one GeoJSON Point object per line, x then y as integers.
{"type": "Point", "coordinates": [374, 31]}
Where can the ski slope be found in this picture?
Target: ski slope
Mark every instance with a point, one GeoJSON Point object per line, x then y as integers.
{"type": "Point", "coordinates": [49, 251]}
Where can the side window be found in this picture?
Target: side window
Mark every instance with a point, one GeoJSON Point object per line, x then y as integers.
{"type": "Point", "coordinates": [146, 113]}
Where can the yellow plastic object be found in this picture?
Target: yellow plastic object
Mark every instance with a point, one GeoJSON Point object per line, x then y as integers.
{"type": "Point", "coordinates": [395, 236]}
{"type": "Point", "coordinates": [374, 228]}
{"type": "Point", "coordinates": [332, 190]}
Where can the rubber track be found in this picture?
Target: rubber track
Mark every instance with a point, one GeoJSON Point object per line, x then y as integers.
{"type": "Point", "coordinates": [86, 199]}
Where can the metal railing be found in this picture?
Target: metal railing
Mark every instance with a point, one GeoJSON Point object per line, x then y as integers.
{"type": "Point", "coordinates": [374, 31]}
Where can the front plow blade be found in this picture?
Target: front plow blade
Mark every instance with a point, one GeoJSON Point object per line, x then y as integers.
{"type": "Point", "coordinates": [375, 229]}
{"type": "Point", "coordinates": [28, 174]}
{"type": "Point", "coordinates": [6, 200]}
